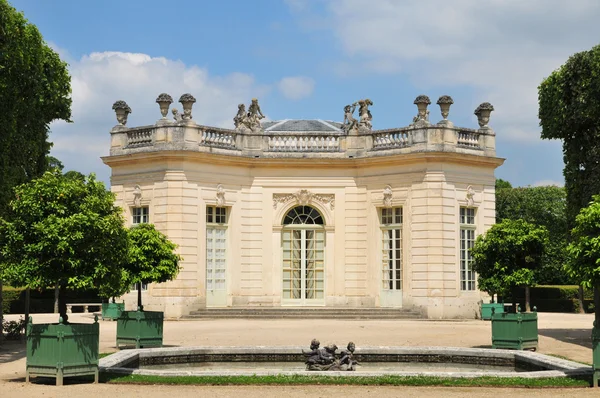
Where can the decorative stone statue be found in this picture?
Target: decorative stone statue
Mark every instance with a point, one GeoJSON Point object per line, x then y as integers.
{"type": "Point", "coordinates": [350, 124]}
{"type": "Point", "coordinates": [249, 122]}
{"type": "Point", "coordinates": [177, 115]}
{"type": "Point", "coordinates": [164, 100]}
{"type": "Point", "coordinates": [422, 118]}
{"type": "Point", "coordinates": [241, 115]}
{"type": "Point", "coordinates": [365, 114]}
{"type": "Point", "coordinates": [122, 110]}
{"type": "Point", "coordinates": [483, 112]}
{"type": "Point", "coordinates": [187, 101]}
{"type": "Point", "coordinates": [321, 359]}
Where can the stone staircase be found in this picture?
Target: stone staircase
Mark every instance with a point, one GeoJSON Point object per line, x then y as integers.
{"type": "Point", "coordinates": [305, 313]}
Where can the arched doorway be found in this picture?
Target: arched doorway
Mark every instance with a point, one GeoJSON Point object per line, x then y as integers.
{"type": "Point", "coordinates": [303, 243]}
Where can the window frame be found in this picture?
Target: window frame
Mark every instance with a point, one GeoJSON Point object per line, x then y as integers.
{"type": "Point", "coordinates": [467, 221]}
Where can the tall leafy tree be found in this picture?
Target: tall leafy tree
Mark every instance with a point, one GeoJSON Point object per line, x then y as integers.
{"type": "Point", "coordinates": [544, 206]}
{"type": "Point", "coordinates": [569, 101]}
{"type": "Point", "coordinates": [507, 255]}
{"type": "Point", "coordinates": [63, 231]}
{"type": "Point", "coordinates": [35, 90]}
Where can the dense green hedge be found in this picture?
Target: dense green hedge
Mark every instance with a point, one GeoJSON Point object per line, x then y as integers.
{"type": "Point", "coordinates": [42, 301]}
{"type": "Point", "coordinates": [561, 298]}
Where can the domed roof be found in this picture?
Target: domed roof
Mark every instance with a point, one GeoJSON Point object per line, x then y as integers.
{"type": "Point", "coordinates": [300, 125]}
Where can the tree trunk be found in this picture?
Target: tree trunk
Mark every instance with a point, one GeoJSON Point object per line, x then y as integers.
{"type": "Point", "coordinates": [56, 292]}
{"type": "Point", "coordinates": [527, 300]}
{"type": "Point", "coordinates": [581, 302]}
{"type": "Point", "coordinates": [513, 290]}
{"type": "Point", "coordinates": [62, 302]}
{"type": "Point", "coordinates": [139, 289]}
{"type": "Point", "coordinates": [1, 314]}
{"type": "Point", "coordinates": [27, 302]}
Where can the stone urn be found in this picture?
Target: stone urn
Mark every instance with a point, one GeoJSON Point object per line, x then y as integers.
{"type": "Point", "coordinates": [422, 101]}
{"type": "Point", "coordinates": [483, 112]}
{"type": "Point", "coordinates": [164, 100]}
{"type": "Point", "coordinates": [122, 110]}
{"type": "Point", "coordinates": [444, 102]}
{"type": "Point", "coordinates": [187, 101]}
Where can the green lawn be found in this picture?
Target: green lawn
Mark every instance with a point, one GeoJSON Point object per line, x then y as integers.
{"type": "Point", "coordinates": [360, 381]}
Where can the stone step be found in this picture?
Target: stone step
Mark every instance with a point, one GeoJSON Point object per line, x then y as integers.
{"type": "Point", "coordinates": [305, 313]}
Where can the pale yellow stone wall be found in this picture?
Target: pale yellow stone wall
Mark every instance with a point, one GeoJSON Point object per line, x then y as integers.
{"type": "Point", "coordinates": [431, 191]}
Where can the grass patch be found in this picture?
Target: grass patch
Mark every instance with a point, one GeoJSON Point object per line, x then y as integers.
{"type": "Point", "coordinates": [104, 354]}
{"type": "Point", "coordinates": [357, 381]}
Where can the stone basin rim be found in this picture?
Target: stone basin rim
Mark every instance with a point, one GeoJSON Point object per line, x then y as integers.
{"type": "Point", "coordinates": [556, 367]}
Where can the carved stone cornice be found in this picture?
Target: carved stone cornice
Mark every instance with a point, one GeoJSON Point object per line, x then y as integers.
{"type": "Point", "coordinates": [304, 198]}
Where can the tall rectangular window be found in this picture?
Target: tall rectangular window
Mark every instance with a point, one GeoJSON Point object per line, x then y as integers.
{"type": "Point", "coordinates": [216, 247]}
{"type": "Point", "coordinates": [467, 239]}
{"type": "Point", "coordinates": [391, 228]}
{"type": "Point", "coordinates": [140, 215]}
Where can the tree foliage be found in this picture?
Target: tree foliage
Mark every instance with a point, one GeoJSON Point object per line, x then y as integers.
{"type": "Point", "coordinates": [62, 231]}
{"type": "Point", "coordinates": [543, 206]}
{"type": "Point", "coordinates": [34, 90]}
{"type": "Point", "coordinates": [507, 255]}
{"type": "Point", "coordinates": [569, 110]}
{"type": "Point", "coordinates": [585, 246]}
{"type": "Point", "coordinates": [151, 257]}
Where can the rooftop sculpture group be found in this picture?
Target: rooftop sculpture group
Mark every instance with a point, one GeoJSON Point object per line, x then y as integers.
{"type": "Point", "coordinates": [248, 122]}
{"type": "Point", "coordinates": [353, 126]}
{"type": "Point", "coordinates": [325, 358]}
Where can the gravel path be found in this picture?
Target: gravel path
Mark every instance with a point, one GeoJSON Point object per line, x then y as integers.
{"type": "Point", "coordinates": [566, 335]}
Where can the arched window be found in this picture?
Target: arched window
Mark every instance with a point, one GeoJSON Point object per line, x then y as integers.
{"type": "Point", "coordinates": [303, 215]}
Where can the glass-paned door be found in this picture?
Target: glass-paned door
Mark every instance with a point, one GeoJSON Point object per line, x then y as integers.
{"type": "Point", "coordinates": [216, 261]}
{"type": "Point", "coordinates": [303, 266]}
{"type": "Point", "coordinates": [391, 257]}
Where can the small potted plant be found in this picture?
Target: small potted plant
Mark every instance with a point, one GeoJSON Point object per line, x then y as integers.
{"type": "Point", "coordinates": [505, 257]}
{"type": "Point", "coordinates": [151, 258]}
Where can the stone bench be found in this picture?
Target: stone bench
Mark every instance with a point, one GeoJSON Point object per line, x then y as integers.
{"type": "Point", "coordinates": [84, 305]}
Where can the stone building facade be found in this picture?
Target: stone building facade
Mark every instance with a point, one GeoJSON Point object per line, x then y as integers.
{"type": "Point", "coordinates": [311, 212]}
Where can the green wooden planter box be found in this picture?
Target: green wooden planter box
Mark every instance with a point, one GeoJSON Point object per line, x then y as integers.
{"type": "Point", "coordinates": [112, 311]}
{"type": "Point", "coordinates": [486, 310]}
{"type": "Point", "coordinates": [140, 328]}
{"type": "Point", "coordinates": [596, 353]}
{"type": "Point", "coordinates": [515, 331]}
{"type": "Point", "coordinates": [62, 350]}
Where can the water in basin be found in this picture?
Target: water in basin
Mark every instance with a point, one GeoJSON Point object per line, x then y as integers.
{"type": "Point", "coordinates": [367, 367]}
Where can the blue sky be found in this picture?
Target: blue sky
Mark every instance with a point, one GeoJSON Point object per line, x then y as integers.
{"type": "Point", "coordinates": [309, 58]}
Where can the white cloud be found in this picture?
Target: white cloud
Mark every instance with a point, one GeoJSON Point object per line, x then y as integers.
{"type": "Point", "coordinates": [99, 79]}
{"type": "Point", "coordinates": [502, 49]}
{"type": "Point", "coordinates": [544, 183]}
{"type": "Point", "coordinates": [296, 87]}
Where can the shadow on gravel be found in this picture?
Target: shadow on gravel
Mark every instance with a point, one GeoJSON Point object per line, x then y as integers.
{"type": "Point", "coordinates": [582, 337]}
{"type": "Point", "coordinates": [11, 351]}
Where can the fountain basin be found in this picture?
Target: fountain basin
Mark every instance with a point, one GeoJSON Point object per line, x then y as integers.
{"type": "Point", "coordinates": [375, 361]}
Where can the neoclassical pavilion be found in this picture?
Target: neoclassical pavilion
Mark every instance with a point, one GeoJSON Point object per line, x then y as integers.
{"type": "Point", "coordinates": [311, 212]}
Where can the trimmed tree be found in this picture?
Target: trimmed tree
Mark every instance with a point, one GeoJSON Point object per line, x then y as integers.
{"type": "Point", "coordinates": [63, 231]}
{"type": "Point", "coordinates": [544, 206]}
{"type": "Point", "coordinates": [507, 255]}
{"type": "Point", "coordinates": [585, 249]}
{"type": "Point", "coordinates": [151, 259]}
